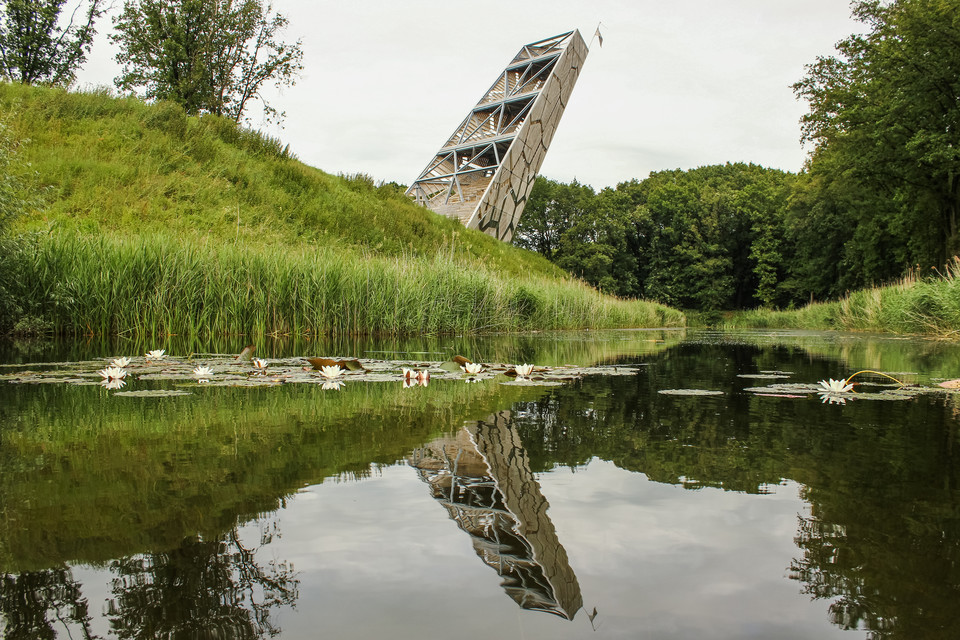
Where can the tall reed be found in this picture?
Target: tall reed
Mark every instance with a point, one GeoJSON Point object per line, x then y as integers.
{"type": "Point", "coordinates": [163, 285]}
{"type": "Point", "coordinates": [923, 305]}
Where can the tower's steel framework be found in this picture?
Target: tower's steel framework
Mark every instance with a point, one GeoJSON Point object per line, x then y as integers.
{"type": "Point", "coordinates": [484, 172]}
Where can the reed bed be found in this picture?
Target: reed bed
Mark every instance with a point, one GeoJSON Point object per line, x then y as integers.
{"type": "Point", "coordinates": [164, 285]}
{"type": "Point", "coordinates": [922, 305]}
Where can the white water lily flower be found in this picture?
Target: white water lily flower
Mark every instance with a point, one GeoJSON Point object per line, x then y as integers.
{"type": "Point", "coordinates": [472, 368]}
{"type": "Point", "coordinates": [408, 373]}
{"type": "Point", "coordinates": [259, 364]}
{"type": "Point", "coordinates": [113, 373]}
{"type": "Point", "coordinates": [203, 373]}
{"type": "Point", "coordinates": [120, 362]}
{"type": "Point", "coordinates": [523, 370]}
{"type": "Point", "coordinates": [113, 383]}
{"type": "Point", "coordinates": [331, 372]}
{"type": "Point", "coordinates": [156, 354]}
{"type": "Point", "coordinates": [333, 385]}
{"type": "Point", "coordinates": [836, 386]}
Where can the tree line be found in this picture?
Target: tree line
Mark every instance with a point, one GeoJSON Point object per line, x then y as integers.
{"type": "Point", "coordinates": [210, 56]}
{"type": "Point", "coordinates": [879, 194]}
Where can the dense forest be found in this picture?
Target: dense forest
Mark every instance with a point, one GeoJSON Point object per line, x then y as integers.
{"type": "Point", "coordinates": [878, 196]}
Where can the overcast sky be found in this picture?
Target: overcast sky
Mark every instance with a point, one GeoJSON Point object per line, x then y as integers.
{"type": "Point", "coordinates": [676, 84]}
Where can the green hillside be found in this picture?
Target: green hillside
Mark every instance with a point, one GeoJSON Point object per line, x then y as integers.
{"type": "Point", "coordinates": [155, 222]}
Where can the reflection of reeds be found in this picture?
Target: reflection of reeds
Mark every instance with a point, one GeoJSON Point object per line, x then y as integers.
{"type": "Point", "coordinates": [123, 477]}
{"type": "Point", "coordinates": [914, 304]}
{"type": "Point", "coordinates": [164, 285]}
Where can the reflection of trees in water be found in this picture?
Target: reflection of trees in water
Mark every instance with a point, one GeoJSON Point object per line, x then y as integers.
{"type": "Point", "coordinates": [882, 478]}
{"type": "Point", "coordinates": [203, 589]}
{"type": "Point", "coordinates": [36, 604]}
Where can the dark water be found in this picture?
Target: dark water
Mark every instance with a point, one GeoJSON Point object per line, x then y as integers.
{"type": "Point", "coordinates": [601, 508]}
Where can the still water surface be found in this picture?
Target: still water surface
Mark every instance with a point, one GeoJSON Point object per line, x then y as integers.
{"type": "Point", "coordinates": [601, 508]}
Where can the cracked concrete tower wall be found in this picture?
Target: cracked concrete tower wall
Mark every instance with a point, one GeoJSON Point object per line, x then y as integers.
{"type": "Point", "coordinates": [484, 172]}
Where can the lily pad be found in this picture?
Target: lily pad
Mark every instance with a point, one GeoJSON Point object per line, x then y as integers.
{"type": "Point", "coordinates": [690, 392]}
{"type": "Point", "coordinates": [780, 395]}
{"type": "Point", "coordinates": [153, 393]}
{"type": "Point", "coordinates": [527, 382]}
{"type": "Point", "coordinates": [762, 376]}
{"type": "Point", "coordinates": [785, 387]}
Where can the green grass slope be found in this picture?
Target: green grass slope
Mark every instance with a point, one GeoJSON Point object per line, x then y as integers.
{"type": "Point", "coordinates": [156, 222]}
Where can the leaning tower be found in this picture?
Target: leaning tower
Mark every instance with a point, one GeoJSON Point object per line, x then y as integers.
{"type": "Point", "coordinates": [483, 173]}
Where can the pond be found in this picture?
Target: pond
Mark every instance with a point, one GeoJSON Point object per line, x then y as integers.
{"type": "Point", "coordinates": [638, 484]}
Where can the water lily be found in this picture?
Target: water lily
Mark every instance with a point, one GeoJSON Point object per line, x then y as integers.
{"type": "Point", "coordinates": [120, 362]}
{"type": "Point", "coordinates": [412, 374]}
{"type": "Point", "coordinates": [331, 372]}
{"type": "Point", "coordinates": [113, 383]}
{"type": "Point", "coordinates": [416, 378]}
{"type": "Point", "coordinates": [835, 386]}
{"type": "Point", "coordinates": [260, 364]}
{"type": "Point", "coordinates": [156, 354]}
{"type": "Point", "coordinates": [472, 368]}
{"type": "Point", "coordinates": [203, 373]}
{"type": "Point", "coordinates": [333, 385]}
{"type": "Point", "coordinates": [523, 370]}
{"type": "Point", "coordinates": [113, 373]}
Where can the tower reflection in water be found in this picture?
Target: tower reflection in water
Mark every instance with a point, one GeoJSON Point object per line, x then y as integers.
{"type": "Point", "coordinates": [482, 477]}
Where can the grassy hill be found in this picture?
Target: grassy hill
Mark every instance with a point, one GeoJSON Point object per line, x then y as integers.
{"type": "Point", "coordinates": [154, 222]}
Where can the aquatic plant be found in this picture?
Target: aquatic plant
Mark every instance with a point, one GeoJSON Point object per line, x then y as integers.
{"type": "Point", "coordinates": [331, 372]}
{"type": "Point", "coordinates": [160, 286]}
{"type": "Point", "coordinates": [835, 386]}
{"type": "Point", "coordinates": [203, 373]}
{"type": "Point", "coordinates": [113, 373]}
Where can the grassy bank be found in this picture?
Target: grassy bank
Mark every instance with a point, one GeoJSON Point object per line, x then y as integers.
{"type": "Point", "coordinates": [154, 222]}
{"type": "Point", "coordinates": [914, 305]}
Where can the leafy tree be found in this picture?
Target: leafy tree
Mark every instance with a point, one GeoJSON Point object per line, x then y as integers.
{"type": "Point", "coordinates": [550, 212]}
{"type": "Point", "coordinates": [35, 48]}
{"type": "Point", "coordinates": [211, 56]}
{"type": "Point", "coordinates": [709, 238]}
{"type": "Point", "coordinates": [884, 118]}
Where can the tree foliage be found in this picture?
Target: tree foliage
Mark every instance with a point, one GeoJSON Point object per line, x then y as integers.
{"type": "Point", "coordinates": [709, 238]}
{"type": "Point", "coordinates": [884, 120]}
{"type": "Point", "coordinates": [211, 56]}
{"type": "Point", "coordinates": [34, 47]}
